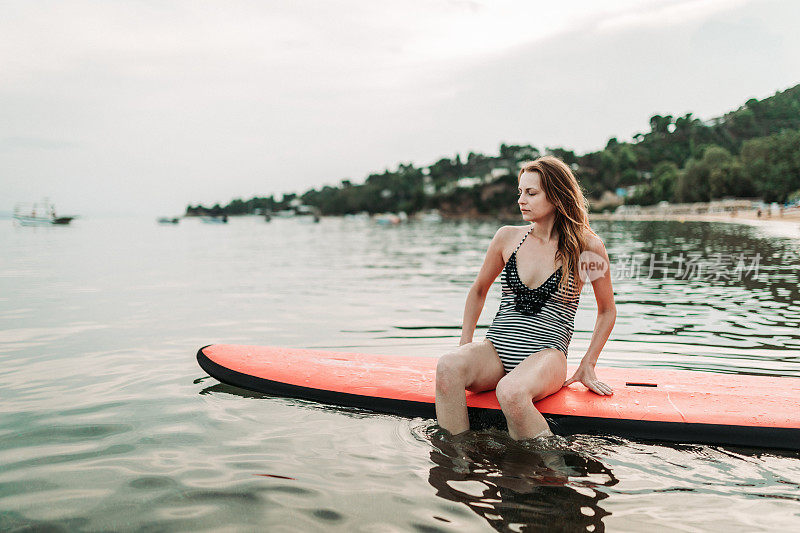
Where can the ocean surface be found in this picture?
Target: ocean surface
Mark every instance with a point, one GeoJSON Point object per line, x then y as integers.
{"type": "Point", "coordinates": [108, 423]}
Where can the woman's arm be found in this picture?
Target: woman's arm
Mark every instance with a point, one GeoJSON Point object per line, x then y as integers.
{"type": "Point", "coordinates": [493, 264]}
{"type": "Point", "coordinates": [606, 316]}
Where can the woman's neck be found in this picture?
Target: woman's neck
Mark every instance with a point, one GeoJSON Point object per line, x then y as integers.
{"type": "Point", "coordinates": [544, 228]}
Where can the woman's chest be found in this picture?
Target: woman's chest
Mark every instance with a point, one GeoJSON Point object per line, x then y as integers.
{"type": "Point", "coordinates": [534, 263]}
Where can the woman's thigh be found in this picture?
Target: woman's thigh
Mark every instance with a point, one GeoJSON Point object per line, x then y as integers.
{"type": "Point", "coordinates": [478, 363]}
{"type": "Point", "coordinates": [540, 374]}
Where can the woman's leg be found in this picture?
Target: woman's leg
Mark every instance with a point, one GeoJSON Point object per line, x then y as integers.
{"type": "Point", "coordinates": [475, 367]}
{"type": "Point", "coordinates": [537, 376]}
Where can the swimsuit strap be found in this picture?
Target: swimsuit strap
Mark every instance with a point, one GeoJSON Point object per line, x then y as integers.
{"type": "Point", "coordinates": [523, 239]}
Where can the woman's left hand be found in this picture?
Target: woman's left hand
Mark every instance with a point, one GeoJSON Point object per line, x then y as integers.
{"type": "Point", "coordinates": [585, 374]}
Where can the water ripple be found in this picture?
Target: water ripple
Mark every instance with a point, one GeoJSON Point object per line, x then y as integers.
{"type": "Point", "coordinates": [107, 423]}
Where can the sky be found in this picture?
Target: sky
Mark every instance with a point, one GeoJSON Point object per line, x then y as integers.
{"type": "Point", "coordinates": [143, 107]}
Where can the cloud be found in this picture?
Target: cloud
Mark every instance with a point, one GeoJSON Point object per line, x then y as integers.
{"type": "Point", "coordinates": [206, 101]}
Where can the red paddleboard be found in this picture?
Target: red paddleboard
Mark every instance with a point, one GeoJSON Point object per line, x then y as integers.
{"type": "Point", "coordinates": [665, 405]}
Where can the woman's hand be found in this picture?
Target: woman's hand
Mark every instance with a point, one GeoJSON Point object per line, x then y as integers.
{"type": "Point", "coordinates": [585, 374]}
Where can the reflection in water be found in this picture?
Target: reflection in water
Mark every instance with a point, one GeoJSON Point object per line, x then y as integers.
{"type": "Point", "coordinates": [776, 261]}
{"type": "Point", "coordinates": [540, 485]}
{"type": "Point", "coordinates": [711, 316]}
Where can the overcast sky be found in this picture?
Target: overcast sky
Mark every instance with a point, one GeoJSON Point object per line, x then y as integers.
{"type": "Point", "coordinates": [145, 106]}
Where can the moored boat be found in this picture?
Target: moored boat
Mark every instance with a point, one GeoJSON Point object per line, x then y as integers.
{"type": "Point", "coordinates": [38, 214]}
{"type": "Point", "coordinates": [215, 219]}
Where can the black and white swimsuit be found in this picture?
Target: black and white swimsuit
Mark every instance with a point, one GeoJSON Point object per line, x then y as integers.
{"type": "Point", "coordinates": [530, 320]}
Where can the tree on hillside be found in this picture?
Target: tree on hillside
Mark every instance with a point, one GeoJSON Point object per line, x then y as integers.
{"type": "Point", "coordinates": [665, 176]}
{"type": "Point", "coordinates": [660, 125]}
{"type": "Point", "coordinates": [772, 164]}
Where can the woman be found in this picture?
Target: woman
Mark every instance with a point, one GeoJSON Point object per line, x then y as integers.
{"type": "Point", "coordinates": [524, 354]}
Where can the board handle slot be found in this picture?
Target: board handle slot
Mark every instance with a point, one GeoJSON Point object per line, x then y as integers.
{"type": "Point", "coordinates": [636, 384]}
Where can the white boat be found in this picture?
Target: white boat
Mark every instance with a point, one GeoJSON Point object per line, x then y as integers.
{"type": "Point", "coordinates": [305, 211]}
{"type": "Point", "coordinates": [214, 219]}
{"type": "Point", "coordinates": [38, 214]}
{"type": "Point", "coordinates": [388, 219]}
{"type": "Point", "coordinates": [430, 216]}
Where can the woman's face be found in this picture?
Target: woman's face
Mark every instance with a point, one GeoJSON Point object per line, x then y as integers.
{"type": "Point", "coordinates": [532, 201]}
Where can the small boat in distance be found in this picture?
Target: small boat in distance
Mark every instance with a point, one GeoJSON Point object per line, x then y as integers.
{"type": "Point", "coordinates": [391, 219]}
{"type": "Point", "coordinates": [38, 214]}
{"type": "Point", "coordinates": [215, 219]}
{"type": "Point", "coordinates": [167, 220]}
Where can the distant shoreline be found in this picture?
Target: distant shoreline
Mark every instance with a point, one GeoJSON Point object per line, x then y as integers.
{"type": "Point", "coordinates": [744, 217]}
{"type": "Point", "coordinates": [787, 225]}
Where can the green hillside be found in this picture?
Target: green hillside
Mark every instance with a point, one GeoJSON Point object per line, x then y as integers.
{"type": "Point", "coordinates": [753, 151]}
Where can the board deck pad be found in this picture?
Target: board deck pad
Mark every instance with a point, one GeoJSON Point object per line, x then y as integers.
{"type": "Point", "coordinates": [668, 405]}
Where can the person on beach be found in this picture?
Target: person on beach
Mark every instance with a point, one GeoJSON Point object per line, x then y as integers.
{"type": "Point", "coordinates": [544, 264]}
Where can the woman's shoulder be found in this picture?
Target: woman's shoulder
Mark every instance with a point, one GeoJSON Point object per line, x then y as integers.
{"type": "Point", "coordinates": [506, 234]}
{"type": "Point", "coordinates": [593, 241]}
{"type": "Point", "coordinates": [515, 230]}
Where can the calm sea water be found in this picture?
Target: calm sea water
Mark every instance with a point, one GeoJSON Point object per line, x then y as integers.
{"type": "Point", "coordinates": [107, 422]}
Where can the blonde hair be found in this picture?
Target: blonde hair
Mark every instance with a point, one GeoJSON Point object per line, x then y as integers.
{"type": "Point", "coordinates": [561, 189]}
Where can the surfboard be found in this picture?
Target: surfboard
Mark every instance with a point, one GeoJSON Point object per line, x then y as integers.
{"type": "Point", "coordinates": [648, 404]}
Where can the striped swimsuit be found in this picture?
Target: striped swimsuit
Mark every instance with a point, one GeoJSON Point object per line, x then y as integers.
{"type": "Point", "coordinates": [530, 320]}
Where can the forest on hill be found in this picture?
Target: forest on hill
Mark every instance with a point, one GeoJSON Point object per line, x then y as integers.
{"type": "Point", "coordinates": [753, 151]}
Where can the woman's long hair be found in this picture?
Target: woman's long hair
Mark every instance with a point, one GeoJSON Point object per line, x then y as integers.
{"type": "Point", "coordinates": [572, 215]}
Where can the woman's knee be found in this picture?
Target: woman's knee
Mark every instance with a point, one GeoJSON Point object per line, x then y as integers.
{"type": "Point", "coordinates": [512, 396]}
{"type": "Point", "coordinates": [450, 371]}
